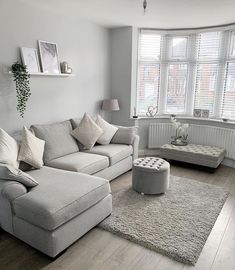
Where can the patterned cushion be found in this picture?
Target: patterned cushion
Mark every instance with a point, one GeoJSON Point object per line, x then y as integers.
{"type": "Point", "coordinates": [31, 149]}
{"type": "Point", "coordinates": [8, 149]}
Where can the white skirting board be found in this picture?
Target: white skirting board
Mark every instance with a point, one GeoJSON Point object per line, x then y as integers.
{"type": "Point", "coordinates": [156, 152]}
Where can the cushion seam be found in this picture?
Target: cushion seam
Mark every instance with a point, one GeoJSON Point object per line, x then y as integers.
{"type": "Point", "coordinates": [105, 158]}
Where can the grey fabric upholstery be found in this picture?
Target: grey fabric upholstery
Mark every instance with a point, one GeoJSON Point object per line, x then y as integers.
{"type": "Point", "coordinates": [150, 175]}
{"type": "Point", "coordinates": [135, 146]}
{"type": "Point", "coordinates": [115, 152]}
{"type": "Point", "coordinates": [12, 189]}
{"type": "Point", "coordinates": [124, 135]}
{"type": "Point", "coordinates": [80, 162]}
{"type": "Point", "coordinates": [59, 141]}
{"type": "Point", "coordinates": [115, 170]}
{"type": "Point", "coordinates": [209, 156]}
{"type": "Point", "coordinates": [6, 215]}
{"type": "Point", "coordinates": [48, 205]}
{"type": "Point", "coordinates": [52, 243]}
{"type": "Point", "coordinates": [65, 205]}
{"type": "Point", "coordinates": [9, 190]}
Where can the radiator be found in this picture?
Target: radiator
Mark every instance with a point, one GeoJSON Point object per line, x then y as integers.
{"type": "Point", "coordinates": [160, 133]}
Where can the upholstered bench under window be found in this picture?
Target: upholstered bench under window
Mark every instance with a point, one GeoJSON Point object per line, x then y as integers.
{"type": "Point", "coordinates": [209, 156]}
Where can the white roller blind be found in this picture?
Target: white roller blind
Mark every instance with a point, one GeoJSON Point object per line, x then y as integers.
{"type": "Point", "coordinates": [150, 46]}
{"type": "Point", "coordinates": [205, 87]}
{"type": "Point", "coordinates": [233, 45]}
{"type": "Point", "coordinates": [148, 71]}
{"type": "Point", "coordinates": [176, 89]}
{"type": "Point", "coordinates": [182, 71]}
{"type": "Point", "coordinates": [228, 107]}
{"type": "Point", "coordinates": [209, 46]}
{"type": "Point", "coordinates": [208, 55]}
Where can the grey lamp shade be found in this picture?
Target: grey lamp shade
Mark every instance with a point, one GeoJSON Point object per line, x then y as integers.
{"type": "Point", "coordinates": [110, 105]}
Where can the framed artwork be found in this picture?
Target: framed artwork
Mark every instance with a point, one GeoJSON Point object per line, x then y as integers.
{"type": "Point", "coordinates": [49, 57]}
{"type": "Point", "coordinates": [29, 58]}
{"type": "Point", "coordinates": [197, 112]}
{"type": "Point", "coordinates": [205, 113]}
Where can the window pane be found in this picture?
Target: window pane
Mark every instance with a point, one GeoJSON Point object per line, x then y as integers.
{"type": "Point", "coordinates": [233, 45]}
{"type": "Point", "coordinates": [205, 90]}
{"type": "Point", "coordinates": [150, 47]}
{"type": "Point", "coordinates": [179, 47]}
{"type": "Point", "coordinates": [209, 45]}
{"type": "Point", "coordinates": [148, 88]}
{"type": "Point", "coordinates": [228, 108]}
{"type": "Point", "coordinates": [176, 90]}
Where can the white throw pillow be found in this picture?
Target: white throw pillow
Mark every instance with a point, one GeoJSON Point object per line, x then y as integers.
{"type": "Point", "coordinates": [8, 149]}
{"type": "Point", "coordinates": [31, 149]}
{"type": "Point", "coordinates": [10, 173]}
{"type": "Point", "coordinates": [108, 130]}
{"type": "Point", "coordinates": [87, 132]}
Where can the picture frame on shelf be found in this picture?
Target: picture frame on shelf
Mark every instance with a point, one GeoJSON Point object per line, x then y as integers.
{"type": "Point", "coordinates": [29, 57]}
{"type": "Point", "coordinates": [49, 57]}
{"type": "Point", "coordinates": [205, 113]}
{"type": "Point", "coordinates": [197, 113]}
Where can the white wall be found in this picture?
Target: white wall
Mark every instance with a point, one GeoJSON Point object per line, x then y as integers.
{"type": "Point", "coordinates": [83, 44]}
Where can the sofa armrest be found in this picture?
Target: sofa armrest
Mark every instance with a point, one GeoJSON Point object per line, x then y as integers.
{"type": "Point", "coordinates": [135, 146]}
{"type": "Point", "coordinates": [11, 189]}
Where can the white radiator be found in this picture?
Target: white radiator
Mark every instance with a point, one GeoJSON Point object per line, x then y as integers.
{"type": "Point", "coordinates": [160, 133]}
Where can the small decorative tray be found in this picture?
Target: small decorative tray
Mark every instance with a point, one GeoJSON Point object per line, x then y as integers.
{"type": "Point", "coordinates": [179, 143]}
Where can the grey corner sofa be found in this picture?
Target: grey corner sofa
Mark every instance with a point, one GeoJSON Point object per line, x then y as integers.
{"type": "Point", "coordinates": [73, 194]}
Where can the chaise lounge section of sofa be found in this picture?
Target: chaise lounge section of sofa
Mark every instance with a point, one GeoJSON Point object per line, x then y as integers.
{"type": "Point", "coordinates": [73, 194]}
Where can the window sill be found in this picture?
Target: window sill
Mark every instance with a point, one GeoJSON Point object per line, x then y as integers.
{"type": "Point", "coordinates": [190, 118]}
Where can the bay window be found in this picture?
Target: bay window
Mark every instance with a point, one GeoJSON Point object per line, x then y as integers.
{"type": "Point", "coordinates": [178, 73]}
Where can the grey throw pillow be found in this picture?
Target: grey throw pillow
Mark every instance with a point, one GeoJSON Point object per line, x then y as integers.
{"type": "Point", "coordinates": [8, 172]}
{"type": "Point", "coordinates": [58, 139]}
{"type": "Point", "coordinates": [124, 135]}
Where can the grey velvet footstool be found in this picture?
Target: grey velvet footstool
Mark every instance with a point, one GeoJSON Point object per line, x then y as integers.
{"type": "Point", "coordinates": [150, 175]}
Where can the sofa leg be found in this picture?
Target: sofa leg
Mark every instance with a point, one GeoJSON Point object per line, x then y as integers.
{"type": "Point", "coordinates": [58, 255]}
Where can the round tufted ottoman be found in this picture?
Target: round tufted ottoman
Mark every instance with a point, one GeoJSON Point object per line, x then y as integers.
{"type": "Point", "coordinates": [150, 175]}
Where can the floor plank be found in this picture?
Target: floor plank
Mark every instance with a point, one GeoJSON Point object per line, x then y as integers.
{"type": "Point", "coordinates": [99, 249]}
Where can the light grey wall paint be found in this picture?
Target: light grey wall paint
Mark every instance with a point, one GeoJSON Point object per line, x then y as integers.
{"type": "Point", "coordinates": [121, 64]}
{"type": "Point", "coordinates": [83, 44]}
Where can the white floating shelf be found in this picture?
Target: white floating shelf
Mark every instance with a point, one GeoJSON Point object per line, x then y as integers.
{"type": "Point", "coordinates": [47, 74]}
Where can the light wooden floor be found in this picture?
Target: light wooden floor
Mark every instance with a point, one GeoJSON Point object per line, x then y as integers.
{"type": "Point", "coordinates": [99, 249]}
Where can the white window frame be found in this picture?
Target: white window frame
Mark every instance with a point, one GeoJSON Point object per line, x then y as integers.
{"type": "Point", "coordinates": [225, 56]}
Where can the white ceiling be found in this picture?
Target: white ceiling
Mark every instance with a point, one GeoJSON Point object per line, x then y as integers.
{"type": "Point", "coordinates": [160, 13]}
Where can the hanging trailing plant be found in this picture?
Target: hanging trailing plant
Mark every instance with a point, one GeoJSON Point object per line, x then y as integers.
{"type": "Point", "coordinates": [21, 78]}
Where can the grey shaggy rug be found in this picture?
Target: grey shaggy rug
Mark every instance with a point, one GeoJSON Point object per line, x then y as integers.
{"type": "Point", "coordinates": [176, 224]}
